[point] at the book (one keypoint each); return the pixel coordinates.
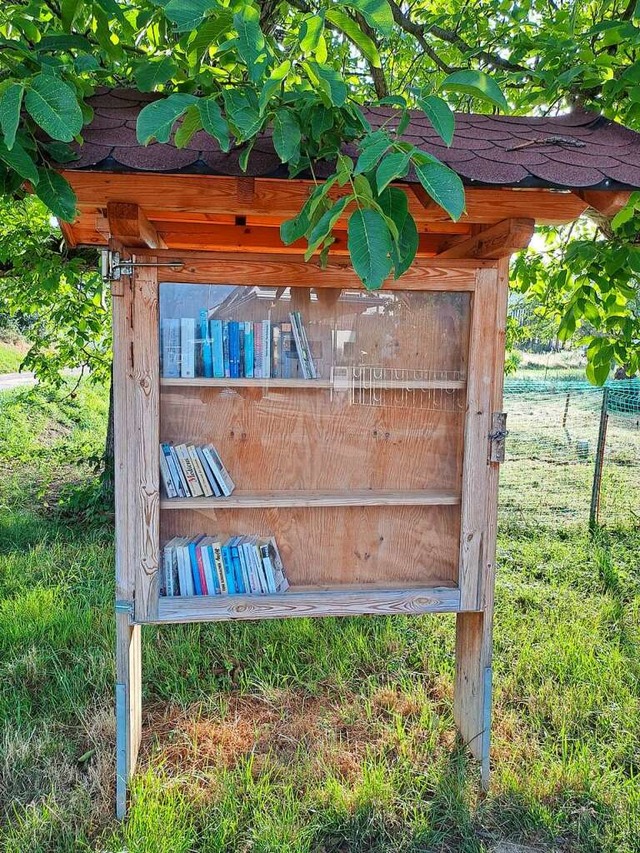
(184, 567)
(187, 347)
(221, 576)
(205, 344)
(222, 475)
(266, 349)
(204, 586)
(225, 349)
(165, 476)
(184, 458)
(170, 586)
(239, 567)
(170, 348)
(213, 482)
(234, 349)
(199, 471)
(195, 568)
(257, 351)
(177, 473)
(276, 364)
(229, 569)
(267, 565)
(248, 350)
(217, 351)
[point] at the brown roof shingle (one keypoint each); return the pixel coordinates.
(580, 149)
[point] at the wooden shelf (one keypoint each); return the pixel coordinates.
(312, 384)
(302, 498)
(310, 601)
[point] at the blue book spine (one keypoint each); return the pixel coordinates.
(234, 349)
(215, 331)
(241, 350)
(237, 566)
(227, 562)
(194, 567)
(207, 355)
(225, 349)
(248, 350)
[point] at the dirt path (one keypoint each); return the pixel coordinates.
(15, 380)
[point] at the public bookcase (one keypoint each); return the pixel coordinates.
(378, 476)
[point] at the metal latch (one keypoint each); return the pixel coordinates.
(112, 267)
(497, 436)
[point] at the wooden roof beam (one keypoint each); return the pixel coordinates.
(129, 225)
(606, 202)
(497, 241)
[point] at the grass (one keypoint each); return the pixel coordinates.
(11, 355)
(329, 735)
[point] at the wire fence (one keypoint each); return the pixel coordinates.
(553, 452)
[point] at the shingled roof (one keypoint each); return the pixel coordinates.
(580, 149)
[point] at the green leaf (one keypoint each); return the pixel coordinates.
(273, 83)
(251, 43)
(440, 115)
(243, 112)
(191, 123)
(393, 166)
(154, 72)
(324, 226)
(53, 105)
(370, 247)
(68, 11)
(377, 13)
(295, 228)
(394, 204)
(188, 14)
(10, 104)
(353, 32)
(443, 185)
(330, 82)
(210, 31)
(214, 122)
(57, 43)
(243, 159)
(310, 32)
(597, 374)
(477, 84)
(371, 153)
(286, 136)
(156, 120)
(57, 194)
(18, 160)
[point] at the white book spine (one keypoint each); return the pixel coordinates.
(165, 476)
(216, 550)
(187, 468)
(171, 348)
(224, 478)
(266, 349)
(200, 474)
(187, 347)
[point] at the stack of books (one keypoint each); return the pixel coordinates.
(205, 565)
(236, 349)
(189, 471)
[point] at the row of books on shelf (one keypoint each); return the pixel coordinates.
(190, 471)
(205, 565)
(236, 349)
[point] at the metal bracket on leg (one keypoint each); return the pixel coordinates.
(122, 751)
(486, 728)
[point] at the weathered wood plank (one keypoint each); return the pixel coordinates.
(288, 270)
(473, 547)
(496, 241)
(329, 602)
(307, 498)
(308, 384)
(284, 198)
(128, 224)
(144, 434)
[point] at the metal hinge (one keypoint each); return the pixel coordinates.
(112, 267)
(124, 606)
(497, 436)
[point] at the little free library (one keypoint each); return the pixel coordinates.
(287, 442)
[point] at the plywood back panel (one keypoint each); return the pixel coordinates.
(388, 546)
(318, 439)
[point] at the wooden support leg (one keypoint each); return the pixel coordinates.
(472, 698)
(128, 703)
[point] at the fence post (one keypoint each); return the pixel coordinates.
(597, 471)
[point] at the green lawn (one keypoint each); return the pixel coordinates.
(10, 357)
(305, 735)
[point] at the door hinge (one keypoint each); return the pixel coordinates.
(497, 436)
(113, 267)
